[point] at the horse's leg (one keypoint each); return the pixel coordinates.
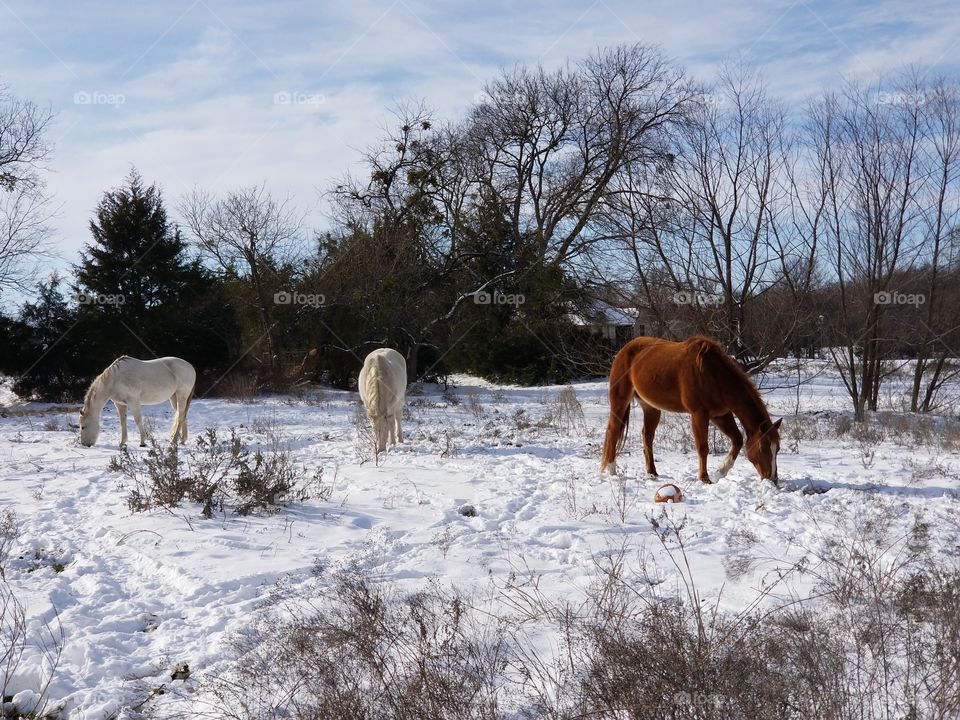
(175, 425)
(390, 423)
(699, 423)
(399, 432)
(651, 418)
(122, 414)
(135, 409)
(728, 426)
(182, 415)
(384, 431)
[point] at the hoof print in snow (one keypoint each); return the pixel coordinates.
(150, 623)
(467, 510)
(180, 671)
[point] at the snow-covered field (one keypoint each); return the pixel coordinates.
(136, 593)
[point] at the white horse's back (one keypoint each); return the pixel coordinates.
(148, 382)
(383, 385)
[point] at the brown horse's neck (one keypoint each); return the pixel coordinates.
(744, 400)
(751, 415)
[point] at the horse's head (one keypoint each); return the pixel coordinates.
(89, 428)
(762, 448)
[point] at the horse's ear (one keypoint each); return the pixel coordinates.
(775, 426)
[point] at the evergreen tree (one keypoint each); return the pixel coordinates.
(46, 353)
(141, 294)
(137, 264)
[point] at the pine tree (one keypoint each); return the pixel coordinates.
(141, 293)
(47, 353)
(137, 262)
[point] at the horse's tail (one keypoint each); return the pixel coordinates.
(371, 387)
(373, 398)
(621, 395)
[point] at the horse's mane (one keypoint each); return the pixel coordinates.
(101, 379)
(710, 346)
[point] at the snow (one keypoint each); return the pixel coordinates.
(137, 593)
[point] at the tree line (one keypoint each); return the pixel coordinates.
(489, 243)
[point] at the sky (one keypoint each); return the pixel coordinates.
(227, 94)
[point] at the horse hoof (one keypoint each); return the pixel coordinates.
(143, 444)
(706, 481)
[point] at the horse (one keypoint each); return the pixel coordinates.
(131, 383)
(693, 376)
(382, 385)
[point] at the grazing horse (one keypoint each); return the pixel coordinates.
(383, 385)
(697, 377)
(131, 383)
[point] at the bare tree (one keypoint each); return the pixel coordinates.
(546, 145)
(935, 337)
(865, 155)
(24, 234)
(708, 239)
(250, 234)
(24, 205)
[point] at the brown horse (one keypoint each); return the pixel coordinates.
(697, 377)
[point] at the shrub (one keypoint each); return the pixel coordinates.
(9, 534)
(359, 650)
(565, 412)
(219, 471)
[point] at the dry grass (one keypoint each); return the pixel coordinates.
(360, 650)
(238, 387)
(875, 639)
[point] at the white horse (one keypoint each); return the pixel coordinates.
(383, 386)
(131, 383)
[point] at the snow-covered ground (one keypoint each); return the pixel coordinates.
(136, 593)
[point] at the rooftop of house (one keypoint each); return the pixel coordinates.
(603, 313)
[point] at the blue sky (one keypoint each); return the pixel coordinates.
(192, 92)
